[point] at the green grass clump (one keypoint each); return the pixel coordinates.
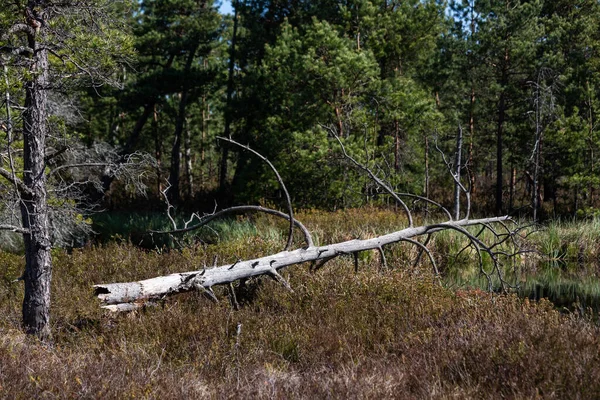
(137, 228)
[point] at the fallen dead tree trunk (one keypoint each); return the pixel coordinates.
(132, 295)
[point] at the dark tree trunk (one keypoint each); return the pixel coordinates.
(34, 207)
(228, 117)
(500, 135)
(174, 191)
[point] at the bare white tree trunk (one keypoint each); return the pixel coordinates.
(131, 295)
(457, 171)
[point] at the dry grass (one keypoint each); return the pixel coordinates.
(375, 334)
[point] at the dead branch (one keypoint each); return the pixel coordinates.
(132, 295)
(241, 209)
(13, 228)
(285, 191)
(377, 180)
(120, 296)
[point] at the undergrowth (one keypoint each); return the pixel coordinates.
(375, 334)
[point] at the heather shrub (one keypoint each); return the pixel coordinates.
(378, 333)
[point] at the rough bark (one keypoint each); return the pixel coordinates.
(34, 207)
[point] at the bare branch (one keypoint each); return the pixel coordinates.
(14, 228)
(55, 153)
(9, 176)
(435, 203)
(425, 243)
(382, 256)
(426, 250)
(376, 179)
(233, 298)
(287, 195)
(239, 209)
(275, 275)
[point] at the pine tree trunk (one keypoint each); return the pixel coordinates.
(174, 191)
(225, 149)
(34, 207)
(500, 135)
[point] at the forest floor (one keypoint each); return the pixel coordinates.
(377, 333)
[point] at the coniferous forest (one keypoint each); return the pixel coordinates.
(399, 82)
(467, 127)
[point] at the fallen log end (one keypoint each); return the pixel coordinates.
(123, 307)
(116, 293)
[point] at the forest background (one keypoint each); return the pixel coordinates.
(397, 81)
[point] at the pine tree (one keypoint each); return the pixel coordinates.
(57, 47)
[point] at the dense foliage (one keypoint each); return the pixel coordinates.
(395, 81)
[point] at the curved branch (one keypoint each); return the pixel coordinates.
(14, 228)
(15, 181)
(479, 245)
(382, 257)
(435, 203)
(426, 250)
(379, 181)
(237, 209)
(425, 243)
(466, 233)
(287, 195)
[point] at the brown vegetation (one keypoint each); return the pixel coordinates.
(375, 334)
